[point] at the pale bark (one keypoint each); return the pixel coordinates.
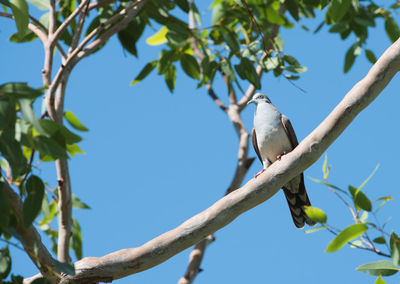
(133, 260)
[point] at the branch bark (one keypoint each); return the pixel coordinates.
(29, 237)
(133, 260)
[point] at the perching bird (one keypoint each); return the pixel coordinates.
(273, 136)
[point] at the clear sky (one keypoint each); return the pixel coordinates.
(154, 159)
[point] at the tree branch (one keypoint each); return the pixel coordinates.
(133, 260)
(29, 237)
(67, 21)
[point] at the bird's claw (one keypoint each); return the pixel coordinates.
(279, 157)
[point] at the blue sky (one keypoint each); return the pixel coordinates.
(154, 159)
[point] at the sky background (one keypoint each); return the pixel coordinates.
(154, 159)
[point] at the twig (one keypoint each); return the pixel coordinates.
(28, 171)
(78, 30)
(67, 21)
(100, 3)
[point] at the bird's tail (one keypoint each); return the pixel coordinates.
(296, 202)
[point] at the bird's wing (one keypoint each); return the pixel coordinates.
(255, 145)
(298, 200)
(289, 131)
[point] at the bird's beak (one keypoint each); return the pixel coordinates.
(251, 102)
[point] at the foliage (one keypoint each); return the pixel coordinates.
(359, 235)
(242, 36)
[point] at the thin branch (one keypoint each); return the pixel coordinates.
(79, 27)
(67, 21)
(100, 3)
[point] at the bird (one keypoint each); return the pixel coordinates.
(273, 136)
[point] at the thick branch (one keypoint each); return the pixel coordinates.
(29, 237)
(133, 260)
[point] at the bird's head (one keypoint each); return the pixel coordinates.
(259, 98)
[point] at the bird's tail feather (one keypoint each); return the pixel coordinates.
(296, 202)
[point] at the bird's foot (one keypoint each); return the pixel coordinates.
(279, 157)
(263, 170)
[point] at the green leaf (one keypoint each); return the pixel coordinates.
(59, 132)
(328, 185)
(296, 69)
(246, 71)
(325, 167)
(74, 149)
(350, 57)
(40, 4)
(293, 7)
(392, 29)
(338, 9)
(360, 200)
(345, 236)
(21, 15)
(170, 77)
(8, 114)
(395, 247)
(19, 90)
(49, 147)
(368, 178)
(4, 209)
(77, 203)
(145, 71)
(315, 214)
(5, 262)
(315, 229)
(12, 151)
(42, 280)
(380, 240)
(370, 56)
(356, 244)
(190, 66)
(382, 267)
(379, 280)
(274, 17)
(33, 202)
(29, 114)
(76, 240)
(159, 37)
(29, 36)
(218, 12)
(74, 121)
(364, 217)
(270, 63)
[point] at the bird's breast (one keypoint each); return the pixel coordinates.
(272, 139)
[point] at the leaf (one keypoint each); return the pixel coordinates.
(392, 29)
(74, 121)
(379, 280)
(360, 200)
(382, 267)
(338, 9)
(218, 12)
(21, 15)
(42, 280)
(315, 229)
(5, 262)
(368, 178)
(350, 57)
(4, 209)
(274, 17)
(170, 77)
(78, 204)
(40, 4)
(19, 90)
(395, 248)
(328, 185)
(296, 69)
(145, 71)
(49, 147)
(356, 244)
(370, 56)
(74, 149)
(380, 240)
(159, 37)
(76, 240)
(364, 217)
(11, 150)
(293, 7)
(29, 114)
(315, 214)
(190, 66)
(324, 166)
(33, 202)
(345, 236)
(246, 71)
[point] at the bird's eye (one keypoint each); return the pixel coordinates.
(261, 97)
